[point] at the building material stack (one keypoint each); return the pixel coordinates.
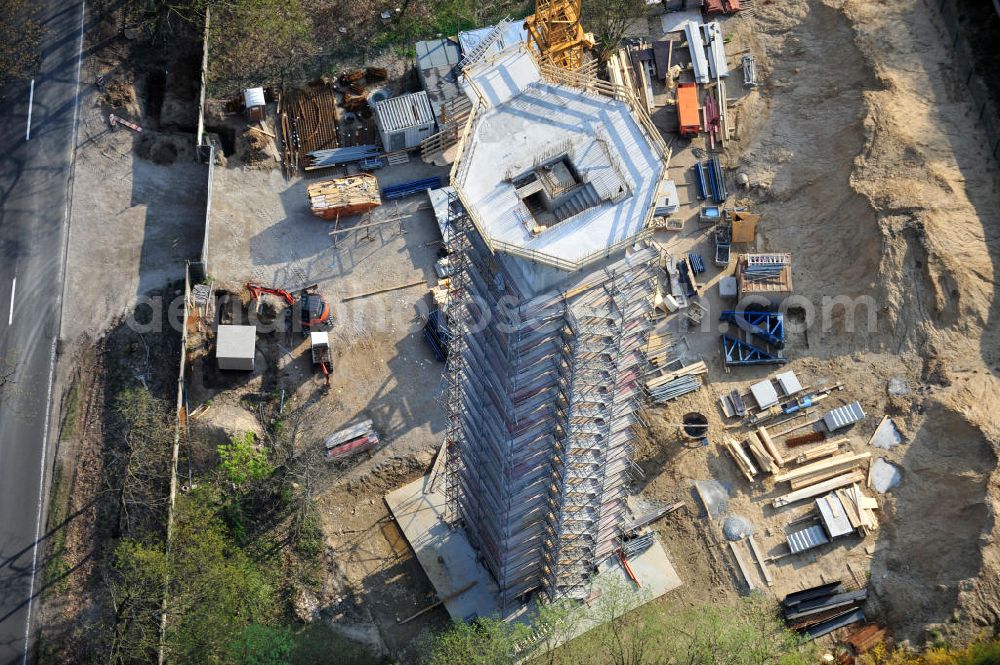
(351, 195)
(767, 277)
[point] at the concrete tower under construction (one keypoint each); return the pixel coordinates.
(556, 178)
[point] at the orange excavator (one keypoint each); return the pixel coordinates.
(314, 310)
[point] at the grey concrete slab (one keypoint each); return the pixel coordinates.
(450, 562)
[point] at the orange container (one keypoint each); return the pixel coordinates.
(688, 120)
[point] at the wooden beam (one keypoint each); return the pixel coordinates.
(742, 566)
(818, 452)
(797, 427)
(763, 459)
(816, 490)
(741, 459)
(760, 561)
(765, 438)
(822, 465)
(385, 290)
(820, 476)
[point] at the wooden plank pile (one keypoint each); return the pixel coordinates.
(756, 455)
(351, 440)
(866, 638)
(669, 385)
(821, 477)
(349, 195)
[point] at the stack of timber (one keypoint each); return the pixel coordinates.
(743, 461)
(811, 474)
(823, 476)
(764, 460)
(858, 508)
(763, 456)
(820, 610)
(660, 349)
(350, 195)
(866, 638)
(668, 376)
(825, 449)
(818, 489)
(351, 440)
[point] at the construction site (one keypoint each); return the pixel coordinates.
(710, 316)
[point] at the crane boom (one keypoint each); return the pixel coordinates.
(556, 32)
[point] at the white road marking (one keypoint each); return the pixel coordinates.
(13, 287)
(60, 279)
(31, 101)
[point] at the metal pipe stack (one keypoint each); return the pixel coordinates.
(320, 159)
(637, 546)
(682, 385)
(762, 267)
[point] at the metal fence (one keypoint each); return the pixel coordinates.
(984, 110)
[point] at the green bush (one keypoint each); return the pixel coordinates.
(243, 460)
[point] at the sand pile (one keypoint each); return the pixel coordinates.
(865, 158)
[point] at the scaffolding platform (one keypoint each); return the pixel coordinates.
(450, 562)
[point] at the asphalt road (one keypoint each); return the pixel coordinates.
(35, 190)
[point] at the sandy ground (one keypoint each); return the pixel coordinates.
(262, 231)
(866, 166)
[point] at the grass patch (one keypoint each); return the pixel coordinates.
(316, 643)
(56, 568)
(72, 411)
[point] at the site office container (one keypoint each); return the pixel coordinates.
(688, 121)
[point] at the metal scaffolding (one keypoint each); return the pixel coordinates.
(542, 392)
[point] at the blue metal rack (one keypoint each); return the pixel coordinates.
(699, 181)
(408, 188)
(737, 352)
(768, 326)
(697, 263)
(718, 180)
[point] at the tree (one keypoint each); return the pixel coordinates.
(139, 471)
(628, 636)
(243, 460)
(485, 641)
(216, 589)
(260, 645)
(749, 633)
(134, 584)
(556, 622)
(609, 20)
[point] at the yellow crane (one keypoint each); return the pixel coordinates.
(557, 34)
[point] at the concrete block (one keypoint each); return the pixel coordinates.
(235, 347)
